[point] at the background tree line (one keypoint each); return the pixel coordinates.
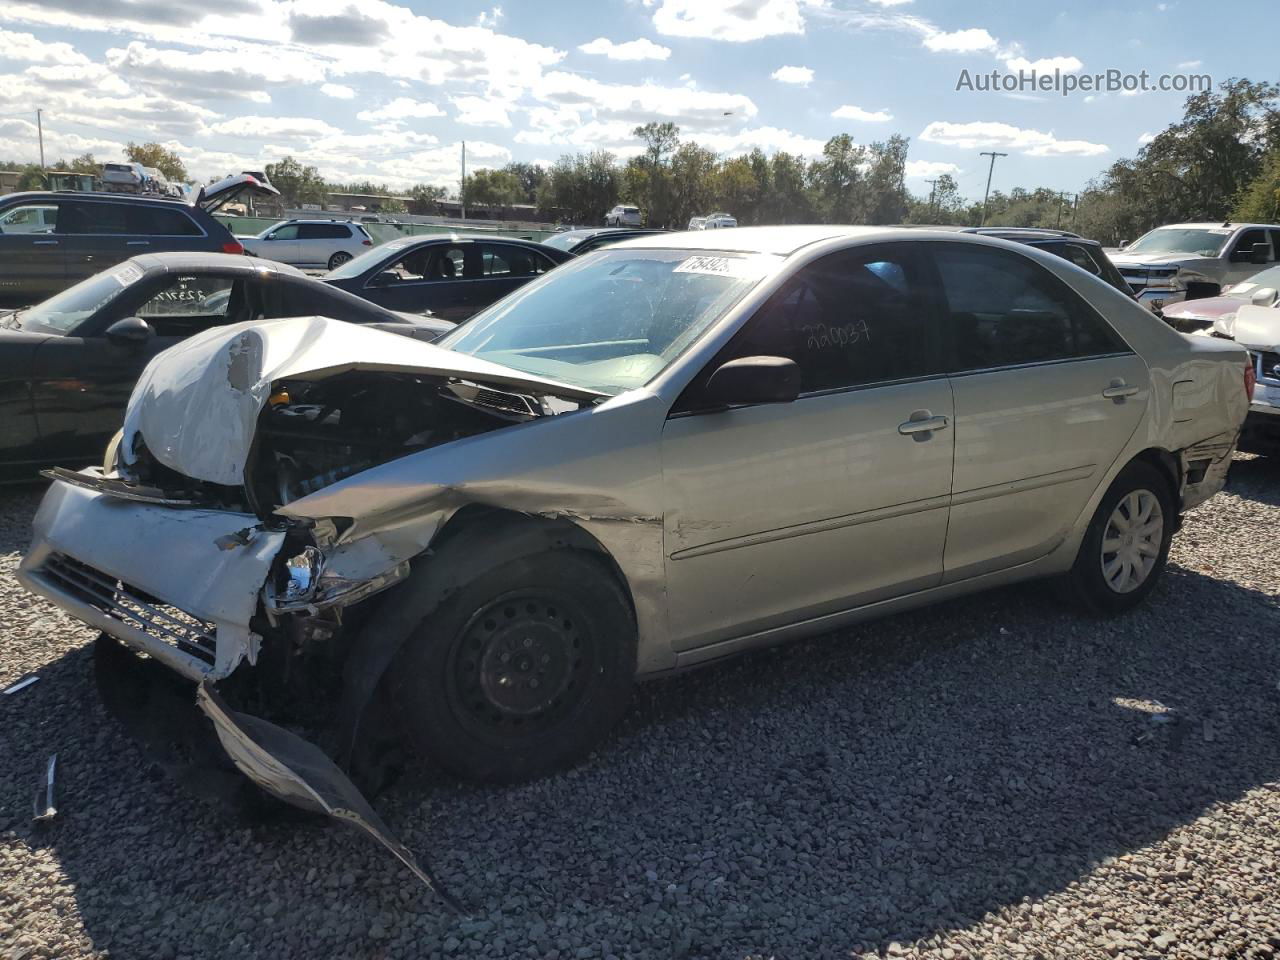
(1220, 160)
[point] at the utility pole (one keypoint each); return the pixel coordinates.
(40, 134)
(1062, 198)
(932, 189)
(990, 170)
(462, 192)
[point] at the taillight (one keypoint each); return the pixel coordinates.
(233, 246)
(1250, 380)
(367, 243)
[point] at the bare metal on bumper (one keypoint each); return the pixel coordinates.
(154, 577)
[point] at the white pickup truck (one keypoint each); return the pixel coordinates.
(1187, 261)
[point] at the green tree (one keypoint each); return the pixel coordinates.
(736, 190)
(885, 182)
(423, 197)
(836, 180)
(788, 200)
(580, 188)
(486, 188)
(689, 186)
(297, 184)
(1259, 201)
(531, 177)
(154, 155)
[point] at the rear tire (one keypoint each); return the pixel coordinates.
(520, 672)
(1126, 547)
(338, 259)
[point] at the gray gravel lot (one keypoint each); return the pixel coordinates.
(980, 779)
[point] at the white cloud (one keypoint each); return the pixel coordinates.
(215, 74)
(800, 76)
(1189, 64)
(767, 139)
(642, 49)
(568, 94)
(1045, 64)
(850, 112)
(338, 91)
(735, 22)
(992, 135)
(973, 40)
(1146, 137)
(88, 77)
(890, 3)
(489, 18)
(401, 109)
(929, 169)
(481, 112)
(289, 128)
(26, 48)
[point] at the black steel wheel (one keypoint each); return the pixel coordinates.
(521, 671)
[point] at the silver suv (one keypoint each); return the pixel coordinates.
(309, 243)
(623, 215)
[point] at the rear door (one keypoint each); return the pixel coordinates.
(1046, 396)
(317, 242)
(32, 256)
(504, 267)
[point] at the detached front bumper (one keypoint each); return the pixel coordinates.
(180, 585)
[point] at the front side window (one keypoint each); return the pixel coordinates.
(1003, 309)
(614, 321)
(29, 218)
(95, 219)
(188, 297)
(288, 232)
(849, 319)
(1243, 249)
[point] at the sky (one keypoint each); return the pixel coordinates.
(387, 91)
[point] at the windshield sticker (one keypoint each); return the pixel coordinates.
(1221, 231)
(128, 274)
(735, 267)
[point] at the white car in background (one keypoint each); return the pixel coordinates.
(714, 221)
(309, 243)
(624, 215)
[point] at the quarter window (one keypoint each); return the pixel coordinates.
(849, 319)
(324, 231)
(1003, 310)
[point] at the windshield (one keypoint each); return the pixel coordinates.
(1201, 242)
(564, 241)
(64, 312)
(1245, 288)
(358, 265)
(612, 321)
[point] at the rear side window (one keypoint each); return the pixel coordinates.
(500, 260)
(1003, 310)
(157, 221)
(323, 231)
(848, 319)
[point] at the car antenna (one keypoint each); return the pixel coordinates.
(1226, 223)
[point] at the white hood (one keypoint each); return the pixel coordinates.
(197, 403)
(1151, 259)
(1257, 328)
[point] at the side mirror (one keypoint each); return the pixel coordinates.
(1263, 297)
(753, 380)
(384, 279)
(1261, 253)
(1123, 244)
(130, 332)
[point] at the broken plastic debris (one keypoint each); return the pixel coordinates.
(43, 810)
(22, 684)
(301, 774)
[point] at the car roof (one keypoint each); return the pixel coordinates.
(1216, 225)
(782, 241)
(38, 196)
(320, 220)
(233, 263)
(460, 238)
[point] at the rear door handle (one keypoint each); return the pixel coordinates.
(1119, 390)
(46, 243)
(138, 243)
(922, 422)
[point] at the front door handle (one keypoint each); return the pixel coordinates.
(921, 423)
(138, 243)
(1119, 390)
(46, 243)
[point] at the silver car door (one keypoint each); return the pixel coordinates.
(782, 512)
(1047, 394)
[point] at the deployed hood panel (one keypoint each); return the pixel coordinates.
(1258, 328)
(196, 404)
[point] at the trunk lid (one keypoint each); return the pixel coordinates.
(215, 196)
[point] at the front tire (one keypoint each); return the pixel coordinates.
(522, 671)
(1126, 547)
(338, 259)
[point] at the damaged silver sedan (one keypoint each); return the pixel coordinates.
(664, 453)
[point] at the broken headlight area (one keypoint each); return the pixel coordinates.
(301, 580)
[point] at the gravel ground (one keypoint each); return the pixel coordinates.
(992, 777)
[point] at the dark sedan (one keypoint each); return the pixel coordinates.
(451, 275)
(68, 365)
(583, 241)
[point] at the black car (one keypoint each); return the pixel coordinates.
(1084, 253)
(50, 240)
(451, 275)
(583, 241)
(68, 365)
